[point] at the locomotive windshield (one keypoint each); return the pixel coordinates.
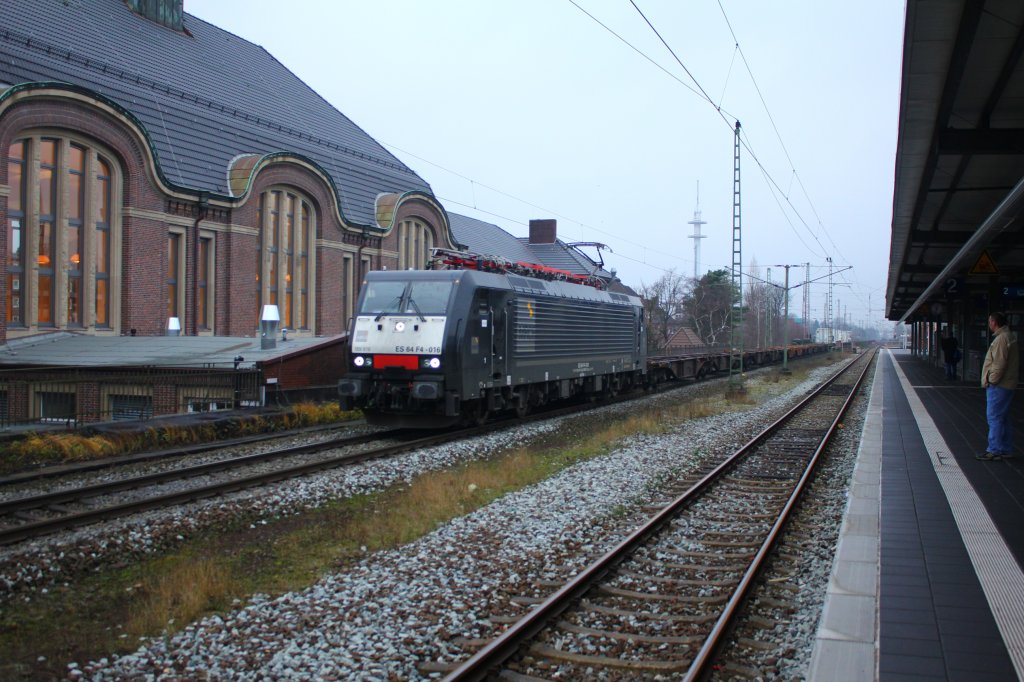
(413, 298)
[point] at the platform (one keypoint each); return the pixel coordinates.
(927, 582)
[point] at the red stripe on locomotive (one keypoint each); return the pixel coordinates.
(403, 361)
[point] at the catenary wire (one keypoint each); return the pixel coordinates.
(745, 135)
(701, 93)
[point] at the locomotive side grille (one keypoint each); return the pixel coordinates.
(565, 328)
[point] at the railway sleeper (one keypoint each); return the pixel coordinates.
(758, 484)
(628, 636)
(741, 556)
(722, 534)
(755, 543)
(607, 662)
(646, 615)
(631, 575)
(771, 603)
(697, 568)
(513, 676)
(503, 620)
(427, 668)
(742, 671)
(471, 644)
(725, 515)
(655, 596)
(755, 644)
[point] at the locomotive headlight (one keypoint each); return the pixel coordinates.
(399, 326)
(434, 363)
(359, 361)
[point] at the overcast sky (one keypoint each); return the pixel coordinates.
(532, 109)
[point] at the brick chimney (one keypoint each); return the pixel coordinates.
(166, 12)
(543, 231)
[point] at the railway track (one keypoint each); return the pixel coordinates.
(26, 518)
(664, 599)
(75, 468)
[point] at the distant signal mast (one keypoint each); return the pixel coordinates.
(697, 236)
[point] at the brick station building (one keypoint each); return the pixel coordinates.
(153, 166)
(157, 171)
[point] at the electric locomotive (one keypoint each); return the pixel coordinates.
(431, 348)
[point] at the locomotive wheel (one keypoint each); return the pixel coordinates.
(521, 402)
(480, 413)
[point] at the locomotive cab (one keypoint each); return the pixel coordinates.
(398, 348)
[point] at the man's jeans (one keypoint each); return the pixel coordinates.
(951, 370)
(1000, 429)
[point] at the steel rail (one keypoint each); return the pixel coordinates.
(38, 528)
(42, 527)
(14, 505)
(701, 664)
(58, 470)
(505, 646)
(34, 529)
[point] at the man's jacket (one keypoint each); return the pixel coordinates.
(1002, 361)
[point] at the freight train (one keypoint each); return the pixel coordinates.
(432, 348)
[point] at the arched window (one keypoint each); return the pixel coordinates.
(287, 240)
(415, 240)
(61, 234)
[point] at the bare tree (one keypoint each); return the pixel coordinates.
(664, 307)
(764, 302)
(708, 304)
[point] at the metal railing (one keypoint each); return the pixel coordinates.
(72, 396)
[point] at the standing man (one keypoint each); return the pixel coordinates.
(949, 353)
(999, 378)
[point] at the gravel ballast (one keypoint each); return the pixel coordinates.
(397, 613)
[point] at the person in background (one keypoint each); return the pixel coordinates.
(999, 377)
(950, 353)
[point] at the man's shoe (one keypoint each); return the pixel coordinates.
(989, 457)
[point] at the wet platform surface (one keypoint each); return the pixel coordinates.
(928, 581)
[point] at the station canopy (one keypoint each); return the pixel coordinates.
(958, 203)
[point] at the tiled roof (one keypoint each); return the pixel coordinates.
(490, 240)
(204, 96)
(487, 239)
(564, 257)
(684, 337)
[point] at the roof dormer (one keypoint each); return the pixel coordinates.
(165, 12)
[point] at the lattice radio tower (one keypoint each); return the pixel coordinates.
(697, 236)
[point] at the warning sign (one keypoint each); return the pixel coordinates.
(984, 265)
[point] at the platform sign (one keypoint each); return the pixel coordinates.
(1013, 292)
(984, 265)
(953, 286)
